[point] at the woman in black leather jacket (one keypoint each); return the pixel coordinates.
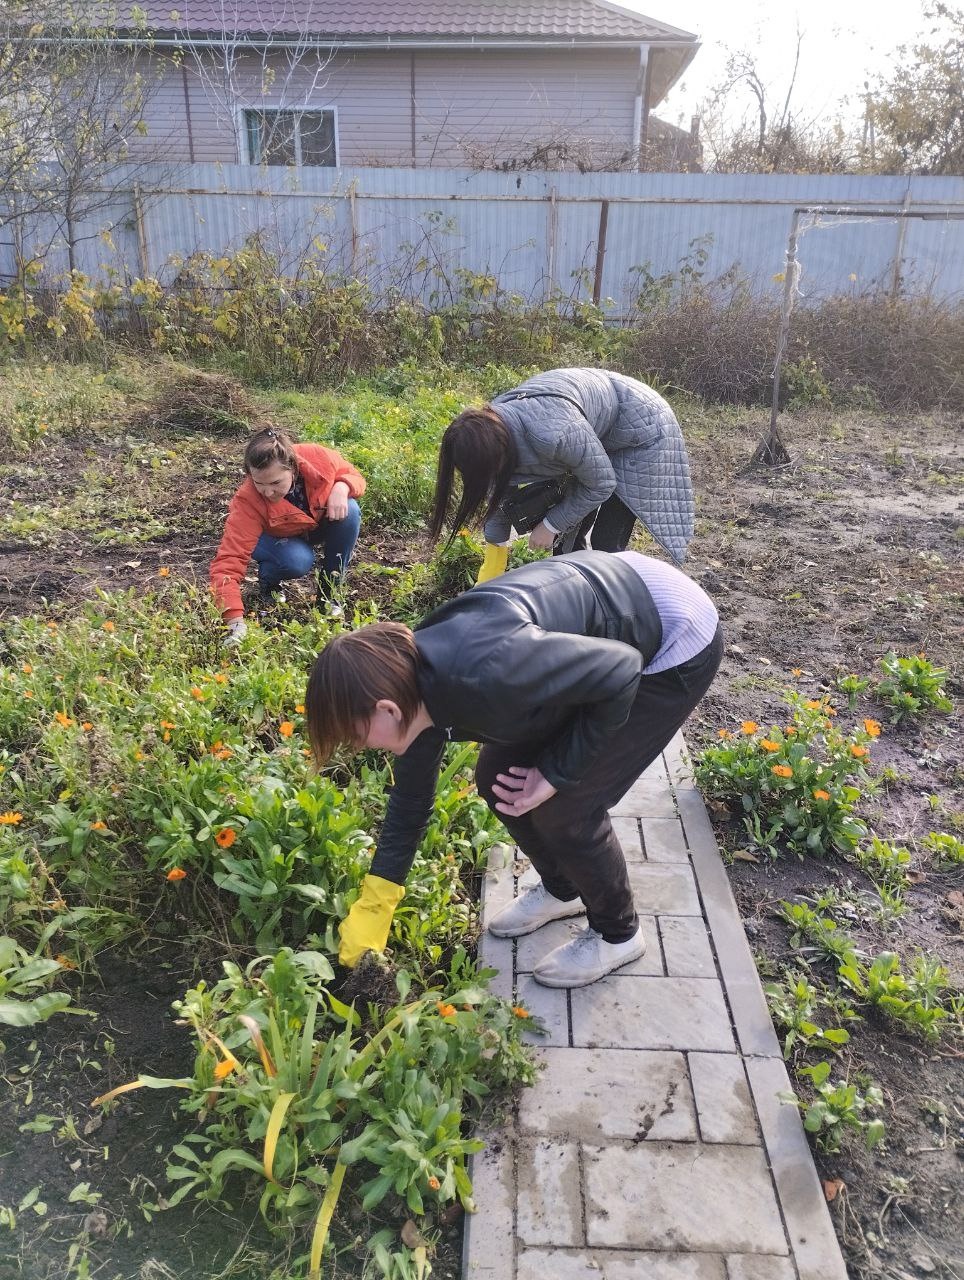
(574, 673)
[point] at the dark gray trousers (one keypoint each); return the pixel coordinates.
(569, 839)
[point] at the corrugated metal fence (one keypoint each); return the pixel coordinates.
(589, 236)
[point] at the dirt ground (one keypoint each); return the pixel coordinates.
(822, 567)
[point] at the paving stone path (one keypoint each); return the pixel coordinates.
(654, 1145)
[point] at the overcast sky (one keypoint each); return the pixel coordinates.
(843, 41)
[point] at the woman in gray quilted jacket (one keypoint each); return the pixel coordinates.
(569, 450)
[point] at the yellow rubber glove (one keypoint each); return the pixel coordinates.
(366, 926)
(494, 563)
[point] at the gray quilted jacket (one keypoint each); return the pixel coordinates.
(610, 434)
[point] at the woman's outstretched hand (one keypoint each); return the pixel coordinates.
(541, 538)
(520, 790)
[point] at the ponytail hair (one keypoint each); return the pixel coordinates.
(477, 445)
(267, 446)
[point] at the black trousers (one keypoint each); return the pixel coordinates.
(611, 525)
(569, 839)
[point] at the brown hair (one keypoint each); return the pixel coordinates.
(353, 672)
(478, 445)
(267, 446)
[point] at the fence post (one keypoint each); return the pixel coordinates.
(143, 256)
(352, 213)
(551, 238)
(899, 251)
(600, 251)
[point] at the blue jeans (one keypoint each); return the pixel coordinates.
(282, 558)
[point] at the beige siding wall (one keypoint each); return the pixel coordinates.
(470, 108)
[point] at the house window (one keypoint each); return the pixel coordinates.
(279, 136)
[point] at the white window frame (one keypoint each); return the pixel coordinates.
(241, 125)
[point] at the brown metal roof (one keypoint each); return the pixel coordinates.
(499, 21)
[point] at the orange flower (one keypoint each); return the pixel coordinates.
(139, 755)
(872, 727)
(769, 745)
(223, 753)
(164, 573)
(109, 626)
(225, 838)
(52, 626)
(446, 1010)
(812, 704)
(65, 962)
(225, 1067)
(782, 771)
(63, 719)
(724, 734)
(28, 693)
(220, 678)
(820, 794)
(168, 724)
(286, 728)
(796, 671)
(166, 736)
(87, 726)
(27, 669)
(176, 873)
(749, 726)
(10, 819)
(98, 826)
(858, 752)
(300, 708)
(434, 1183)
(197, 693)
(519, 1012)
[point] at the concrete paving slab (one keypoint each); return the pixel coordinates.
(744, 1266)
(682, 1197)
(651, 1013)
(586, 1094)
(664, 889)
(627, 833)
(550, 1193)
(607, 1264)
(549, 1005)
(686, 947)
(488, 1245)
(723, 1099)
(663, 840)
(647, 798)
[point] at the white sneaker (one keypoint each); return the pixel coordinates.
(530, 911)
(587, 958)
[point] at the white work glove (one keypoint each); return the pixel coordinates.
(237, 630)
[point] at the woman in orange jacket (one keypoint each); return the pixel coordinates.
(296, 497)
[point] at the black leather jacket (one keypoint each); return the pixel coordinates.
(549, 654)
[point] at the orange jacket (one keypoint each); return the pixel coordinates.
(250, 515)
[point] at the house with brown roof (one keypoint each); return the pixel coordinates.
(513, 84)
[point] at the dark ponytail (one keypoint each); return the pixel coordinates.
(477, 445)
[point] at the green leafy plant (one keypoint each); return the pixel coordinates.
(297, 1094)
(852, 686)
(947, 850)
(914, 1000)
(837, 1107)
(911, 686)
(795, 782)
(794, 1004)
(24, 1001)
